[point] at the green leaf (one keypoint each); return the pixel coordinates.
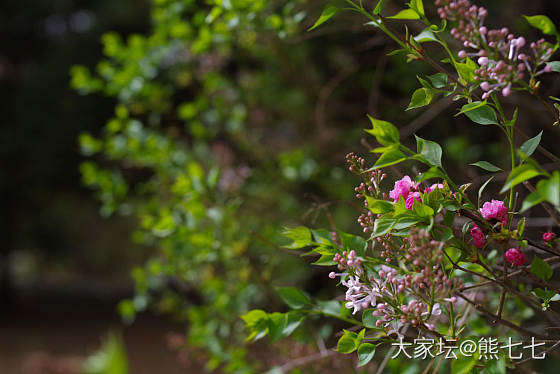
(431, 151)
(438, 80)
(325, 260)
(293, 320)
(495, 366)
(347, 342)
(379, 206)
(391, 157)
(293, 297)
(519, 175)
(531, 200)
(480, 112)
(421, 97)
(382, 226)
(542, 23)
(487, 166)
(426, 35)
(406, 14)
(530, 145)
(422, 210)
(378, 7)
(256, 322)
(464, 364)
(418, 6)
(301, 237)
(368, 319)
(353, 242)
(366, 351)
(555, 66)
(328, 13)
(385, 132)
(541, 269)
(549, 189)
(466, 70)
(276, 325)
(330, 307)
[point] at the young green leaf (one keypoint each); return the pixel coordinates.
(366, 351)
(520, 174)
(421, 97)
(378, 7)
(541, 269)
(438, 80)
(426, 36)
(301, 237)
(406, 14)
(379, 206)
(531, 200)
(328, 13)
(486, 166)
(482, 188)
(480, 112)
(542, 23)
(392, 157)
(430, 150)
(293, 297)
(530, 145)
(385, 132)
(382, 226)
(418, 6)
(347, 342)
(549, 189)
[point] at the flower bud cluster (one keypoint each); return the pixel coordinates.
(423, 286)
(500, 54)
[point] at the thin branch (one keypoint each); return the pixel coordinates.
(500, 320)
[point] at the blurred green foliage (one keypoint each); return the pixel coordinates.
(110, 359)
(192, 155)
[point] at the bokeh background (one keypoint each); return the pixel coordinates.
(65, 263)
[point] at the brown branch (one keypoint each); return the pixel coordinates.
(500, 320)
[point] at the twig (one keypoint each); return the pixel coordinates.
(500, 320)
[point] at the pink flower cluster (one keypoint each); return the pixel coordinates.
(515, 257)
(495, 209)
(410, 191)
(498, 52)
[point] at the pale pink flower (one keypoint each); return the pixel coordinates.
(434, 186)
(548, 236)
(479, 239)
(402, 188)
(515, 257)
(494, 209)
(415, 196)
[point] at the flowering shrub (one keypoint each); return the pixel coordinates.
(435, 259)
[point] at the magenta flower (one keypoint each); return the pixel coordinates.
(515, 257)
(548, 236)
(402, 188)
(479, 239)
(415, 196)
(494, 209)
(434, 186)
